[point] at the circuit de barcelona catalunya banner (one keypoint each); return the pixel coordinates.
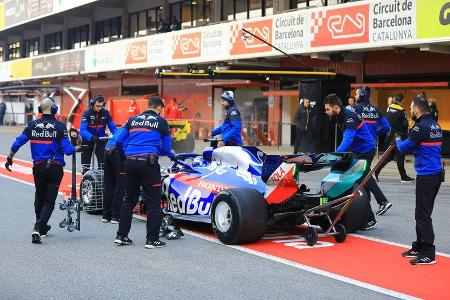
(361, 25)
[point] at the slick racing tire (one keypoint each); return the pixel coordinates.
(90, 192)
(239, 216)
(357, 214)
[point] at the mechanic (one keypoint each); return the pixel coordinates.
(92, 128)
(148, 137)
(425, 142)
(232, 125)
(434, 113)
(378, 126)
(113, 182)
(396, 116)
(49, 142)
(356, 138)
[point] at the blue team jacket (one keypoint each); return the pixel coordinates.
(425, 142)
(357, 137)
(373, 118)
(48, 140)
(147, 133)
(231, 127)
(93, 123)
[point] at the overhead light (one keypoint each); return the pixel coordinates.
(193, 2)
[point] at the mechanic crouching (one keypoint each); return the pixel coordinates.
(425, 142)
(232, 125)
(49, 142)
(92, 128)
(114, 182)
(147, 137)
(358, 139)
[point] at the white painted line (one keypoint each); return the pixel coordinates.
(24, 182)
(26, 161)
(307, 268)
(391, 243)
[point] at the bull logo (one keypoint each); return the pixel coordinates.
(444, 15)
(48, 126)
(152, 118)
(141, 117)
(40, 125)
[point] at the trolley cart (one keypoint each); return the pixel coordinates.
(341, 205)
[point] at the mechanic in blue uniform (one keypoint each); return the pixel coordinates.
(357, 138)
(232, 125)
(378, 126)
(113, 182)
(92, 128)
(148, 137)
(425, 142)
(48, 142)
(396, 115)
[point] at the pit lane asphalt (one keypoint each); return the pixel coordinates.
(86, 264)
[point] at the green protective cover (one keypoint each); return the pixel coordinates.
(335, 184)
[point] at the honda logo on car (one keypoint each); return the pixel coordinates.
(136, 52)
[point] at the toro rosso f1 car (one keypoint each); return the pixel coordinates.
(241, 191)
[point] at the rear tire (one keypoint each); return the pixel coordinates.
(357, 214)
(90, 186)
(239, 216)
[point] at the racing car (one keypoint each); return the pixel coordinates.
(241, 191)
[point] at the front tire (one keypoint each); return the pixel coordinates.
(357, 214)
(239, 216)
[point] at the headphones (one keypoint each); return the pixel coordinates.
(97, 98)
(53, 109)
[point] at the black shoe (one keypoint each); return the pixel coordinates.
(123, 240)
(44, 233)
(411, 253)
(370, 225)
(423, 260)
(407, 179)
(36, 237)
(114, 221)
(154, 244)
(384, 208)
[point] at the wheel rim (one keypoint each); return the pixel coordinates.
(223, 217)
(87, 191)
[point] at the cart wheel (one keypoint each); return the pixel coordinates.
(71, 227)
(311, 236)
(341, 233)
(62, 224)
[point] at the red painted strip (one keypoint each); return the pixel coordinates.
(41, 142)
(400, 84)
(431, 144)
(96, 126)
(140, 129)
(368, 121)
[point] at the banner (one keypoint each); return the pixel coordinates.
(290, 31)
(187, 45)
(340, 26)
(21, 68)
(105, 57)
(136, 52)
(64, 63)
(244, 43)
(433, 18)
(392, 21)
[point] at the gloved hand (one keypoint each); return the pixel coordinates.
(95, 139)
(173, 158)
(8, 163)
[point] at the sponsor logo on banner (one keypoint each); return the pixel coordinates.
(215, 42)
(290, 31)
(393, 21)
(243, 43)
(37, 8)
(433, 18)
(21, 68)
(136, 52)
(69, 62)
(341, 26)
(187, 45)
